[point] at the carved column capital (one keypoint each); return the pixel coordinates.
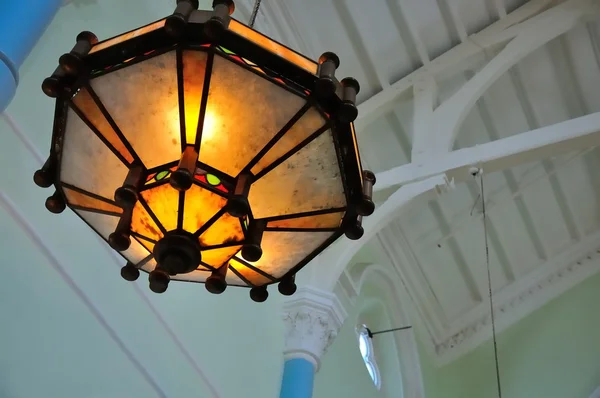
(312, 319)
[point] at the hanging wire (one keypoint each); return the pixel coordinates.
(489, 276)
(254, 13)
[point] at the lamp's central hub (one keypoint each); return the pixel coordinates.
(177, 253)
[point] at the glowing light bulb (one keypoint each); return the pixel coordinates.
(210, 126)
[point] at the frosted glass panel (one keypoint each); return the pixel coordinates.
(105, 225)
(274, 47)
(331, 220)
(164, 203)
(217, 257)
(142, 223)
(129, 35)
(143, 101)
(244, 111)
(87, 163)
(226, 229)
(194, 68)
(283, 250)
(199, 207)
(76, 198)
(252, 276)
(308, 181)
(85, 103)
(200, 276)
(309, 123)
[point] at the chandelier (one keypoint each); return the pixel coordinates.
(204, 151)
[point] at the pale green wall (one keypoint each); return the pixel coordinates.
(553, 353)
(50, 343)
(343, 372)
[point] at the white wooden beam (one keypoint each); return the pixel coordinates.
(536, 32)
(571, 135)
(338, 256)
(424, 137)
(497, 33)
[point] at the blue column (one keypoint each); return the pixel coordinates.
(22, 22)
(298, 378)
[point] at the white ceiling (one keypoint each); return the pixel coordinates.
(543, 216)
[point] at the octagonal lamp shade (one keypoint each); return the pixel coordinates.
(203, 157)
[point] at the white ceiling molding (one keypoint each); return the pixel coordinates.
(538, 144)
(456, 338)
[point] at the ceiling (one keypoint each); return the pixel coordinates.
(543, 217)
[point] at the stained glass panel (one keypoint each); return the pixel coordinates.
(87, 163)
(283, 250)
(126, 36)
(244, 111)
(143, 224)
(105, 225)
(330, 220)
(163, 200)
(143, 101)
(252, 276)
(76, 198)
(310, 180)
(199, 207)
(194, 68)
(310, 122)
(226, 229)
(274, 47)
(85, 103)
(217, 257)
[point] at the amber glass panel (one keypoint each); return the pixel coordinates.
(217, 257)
(126, 36)
(284, 250)
(276, 48)
(200, 276)
(252, 276)
(143, 101)
(226, 229)
(244, 111)
(200, 206)
(143, 224)
(331, 220)
(105, 225)
(87, 163)
(163, 200)
(309, 123)
(194, 68)
(85, 103)
(309, 180)
(75, 198)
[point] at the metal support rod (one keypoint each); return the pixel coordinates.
(371, 334)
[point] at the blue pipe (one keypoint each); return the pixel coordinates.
(298, 379)
(22, 23)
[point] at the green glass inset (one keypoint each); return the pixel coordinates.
(213, 180)
(162, 175)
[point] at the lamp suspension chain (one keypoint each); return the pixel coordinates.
(254, 13)
(489, 277)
